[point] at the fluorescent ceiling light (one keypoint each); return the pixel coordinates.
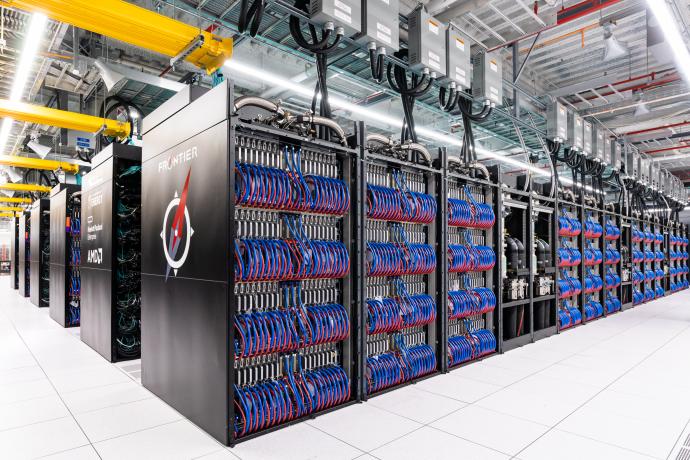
(32, 41)
(664, 16)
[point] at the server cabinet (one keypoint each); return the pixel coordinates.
(14, 253)
(65, 224)
(39, 260)
(24, 253)
(110, 302)
(199, 286)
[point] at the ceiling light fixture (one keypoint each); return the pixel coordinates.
(32, 41)
(664, 16)
(613, 49)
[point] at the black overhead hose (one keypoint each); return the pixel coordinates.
(409, 90)
(250, 16)
(377, 64)
(468, 152)
(447, 104)
(321, 49)
(553, 149)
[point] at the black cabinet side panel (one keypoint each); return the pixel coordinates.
(185, 321)
(14, 253)
(23, 262)
(58, 235)
(96, 299)
(35, 251)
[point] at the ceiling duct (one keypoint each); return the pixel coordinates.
(116, 76)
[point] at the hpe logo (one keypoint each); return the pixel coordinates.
(95, 256)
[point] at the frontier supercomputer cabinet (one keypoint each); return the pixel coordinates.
(110, 253)
(199, 248)
(24, 252)
(14, 253)
(65, 220)
(39, 260)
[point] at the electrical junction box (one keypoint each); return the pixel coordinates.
(655, 174)
(380, 24)
(587, 138)
(665, 181)
(557, 122)
(344, 13)
(487, 82)
(597, 144)
(616, 154)
(458, 57)
(576, 131)
(426, 42)
(608, 149)
(643, 169)
(632, 163)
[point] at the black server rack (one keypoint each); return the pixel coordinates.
(39, 260)
(65, 281)
(208, 277)
(571, 272)
(471, 269)
(110, 302)
(615, 256)
(24, 257)
(545, 233)
(637, 255)
(517, 258)
(595, 261)
(626, 262)
(14, 253)
(404, 305)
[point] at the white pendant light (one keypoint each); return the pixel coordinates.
(613, 49)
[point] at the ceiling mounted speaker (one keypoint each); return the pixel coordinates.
(613, 49)
(40, 149)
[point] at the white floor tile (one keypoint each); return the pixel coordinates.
(87, 377)
(222, 454)
(544, 410)
(567, 446)
(175, 441)
(420, 406)
(21, 374)
(295, 443)
(430, 444)
(80, 453)
(364, 426)
(81, 401)
(22, 391)
(31, 411)
(41, 439)
(126, 418)
(490, 374)
(460, 388)
(489, 428)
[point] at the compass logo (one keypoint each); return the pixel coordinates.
(178, 232)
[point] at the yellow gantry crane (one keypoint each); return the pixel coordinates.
(11, 209)
(137, 26)
(6, 199)
(25, 187)
(10, 214)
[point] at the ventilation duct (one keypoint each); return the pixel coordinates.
(116, 76)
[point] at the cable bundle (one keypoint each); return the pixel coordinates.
(462, 348)
(271, 188)
(593, 283)
(648, 293)
(593, 229)
(569, 257)
(648, 236)
(393, 259)
(593, 309)
(569, 316)
(637, 276)
(385, 203)
(673, 255)
(649, 255)
(297, 394)
(659, 291)
(659, 256)
(593, 256)
(568, 286)
(649, 275)
(658, 238)
(470, 214)
(391, 368)
(475, 301)
(612, 231)
(637, 235)
(567, 226)
(638, 297)
(393, 314)
(613, 280)
(613, 304)
(637, 256)
(613, 256)
(659, 274)
(462, 258)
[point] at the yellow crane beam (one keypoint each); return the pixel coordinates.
(137, 26)
(10, 214)
(31, 113)
(11, 209)
(6, 199)
(36, 163)
(25, 187)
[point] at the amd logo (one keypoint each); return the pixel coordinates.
(95, 256)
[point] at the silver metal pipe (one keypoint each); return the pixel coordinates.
(260, 102)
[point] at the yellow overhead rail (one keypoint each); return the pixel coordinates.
(36, 163)
(63, 119)
(137, 26)
(11, 209)
(25, 187)
(6, 199)
(10, 214)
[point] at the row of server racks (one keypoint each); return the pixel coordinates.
(276, 276)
